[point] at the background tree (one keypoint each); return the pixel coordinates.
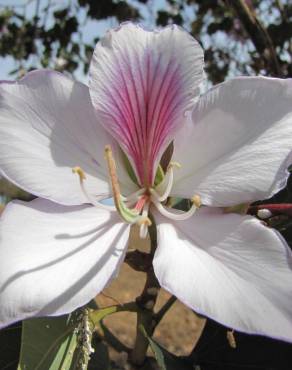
(239, 37)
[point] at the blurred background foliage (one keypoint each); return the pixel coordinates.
(240, 37)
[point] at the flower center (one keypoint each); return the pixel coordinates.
(134, 209)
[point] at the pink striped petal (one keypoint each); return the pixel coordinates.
(141, 83)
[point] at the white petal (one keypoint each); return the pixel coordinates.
(238, 145)
(230, 268)
(141, 83)
(54, 258)
(47, 126)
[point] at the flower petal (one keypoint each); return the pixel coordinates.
(54, 258)
(47, 126)
(230, 268)
(141, 83)
(238, 145)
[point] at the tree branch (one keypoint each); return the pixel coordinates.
(258, 34)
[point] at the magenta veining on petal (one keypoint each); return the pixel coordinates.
(140, 88)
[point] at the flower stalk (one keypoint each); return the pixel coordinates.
(146, 301)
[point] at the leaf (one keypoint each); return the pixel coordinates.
(47, 343)
(165, 359)
(97, 315)
(54, 343)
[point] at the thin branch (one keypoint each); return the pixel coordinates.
(160, 314)
(258, 34)
(275, 209)
(285, 19)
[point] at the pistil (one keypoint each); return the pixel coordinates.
(141, 200)
(129, 215)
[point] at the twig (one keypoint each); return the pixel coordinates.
(258, 34)
(160, 314)
(275, 209)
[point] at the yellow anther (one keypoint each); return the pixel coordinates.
(196, 200)
(79, 172)
(173, 164)
(144, 221)
(231, 338)
(108, 149)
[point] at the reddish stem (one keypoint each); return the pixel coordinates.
(276, 209)
(141, 202)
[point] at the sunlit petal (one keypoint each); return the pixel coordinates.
(141, 83)
(54, 258)
(47, 126)
(230, 268)
(238, 146)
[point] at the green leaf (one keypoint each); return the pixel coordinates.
(54, 343)
(165, 359)
(47, 343)
(97, 315)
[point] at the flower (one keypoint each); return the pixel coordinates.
(57, 252)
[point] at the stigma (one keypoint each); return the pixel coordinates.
(135, 208)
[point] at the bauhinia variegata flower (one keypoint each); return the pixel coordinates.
(231, 145)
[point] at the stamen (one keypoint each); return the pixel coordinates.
(80, 173)
(78, 170)
(144, 222)
(128, 215)
(174, 164)
(168, 179)
(143, 231)
(196, 200)
(231, 338)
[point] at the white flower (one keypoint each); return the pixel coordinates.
(58, 252)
